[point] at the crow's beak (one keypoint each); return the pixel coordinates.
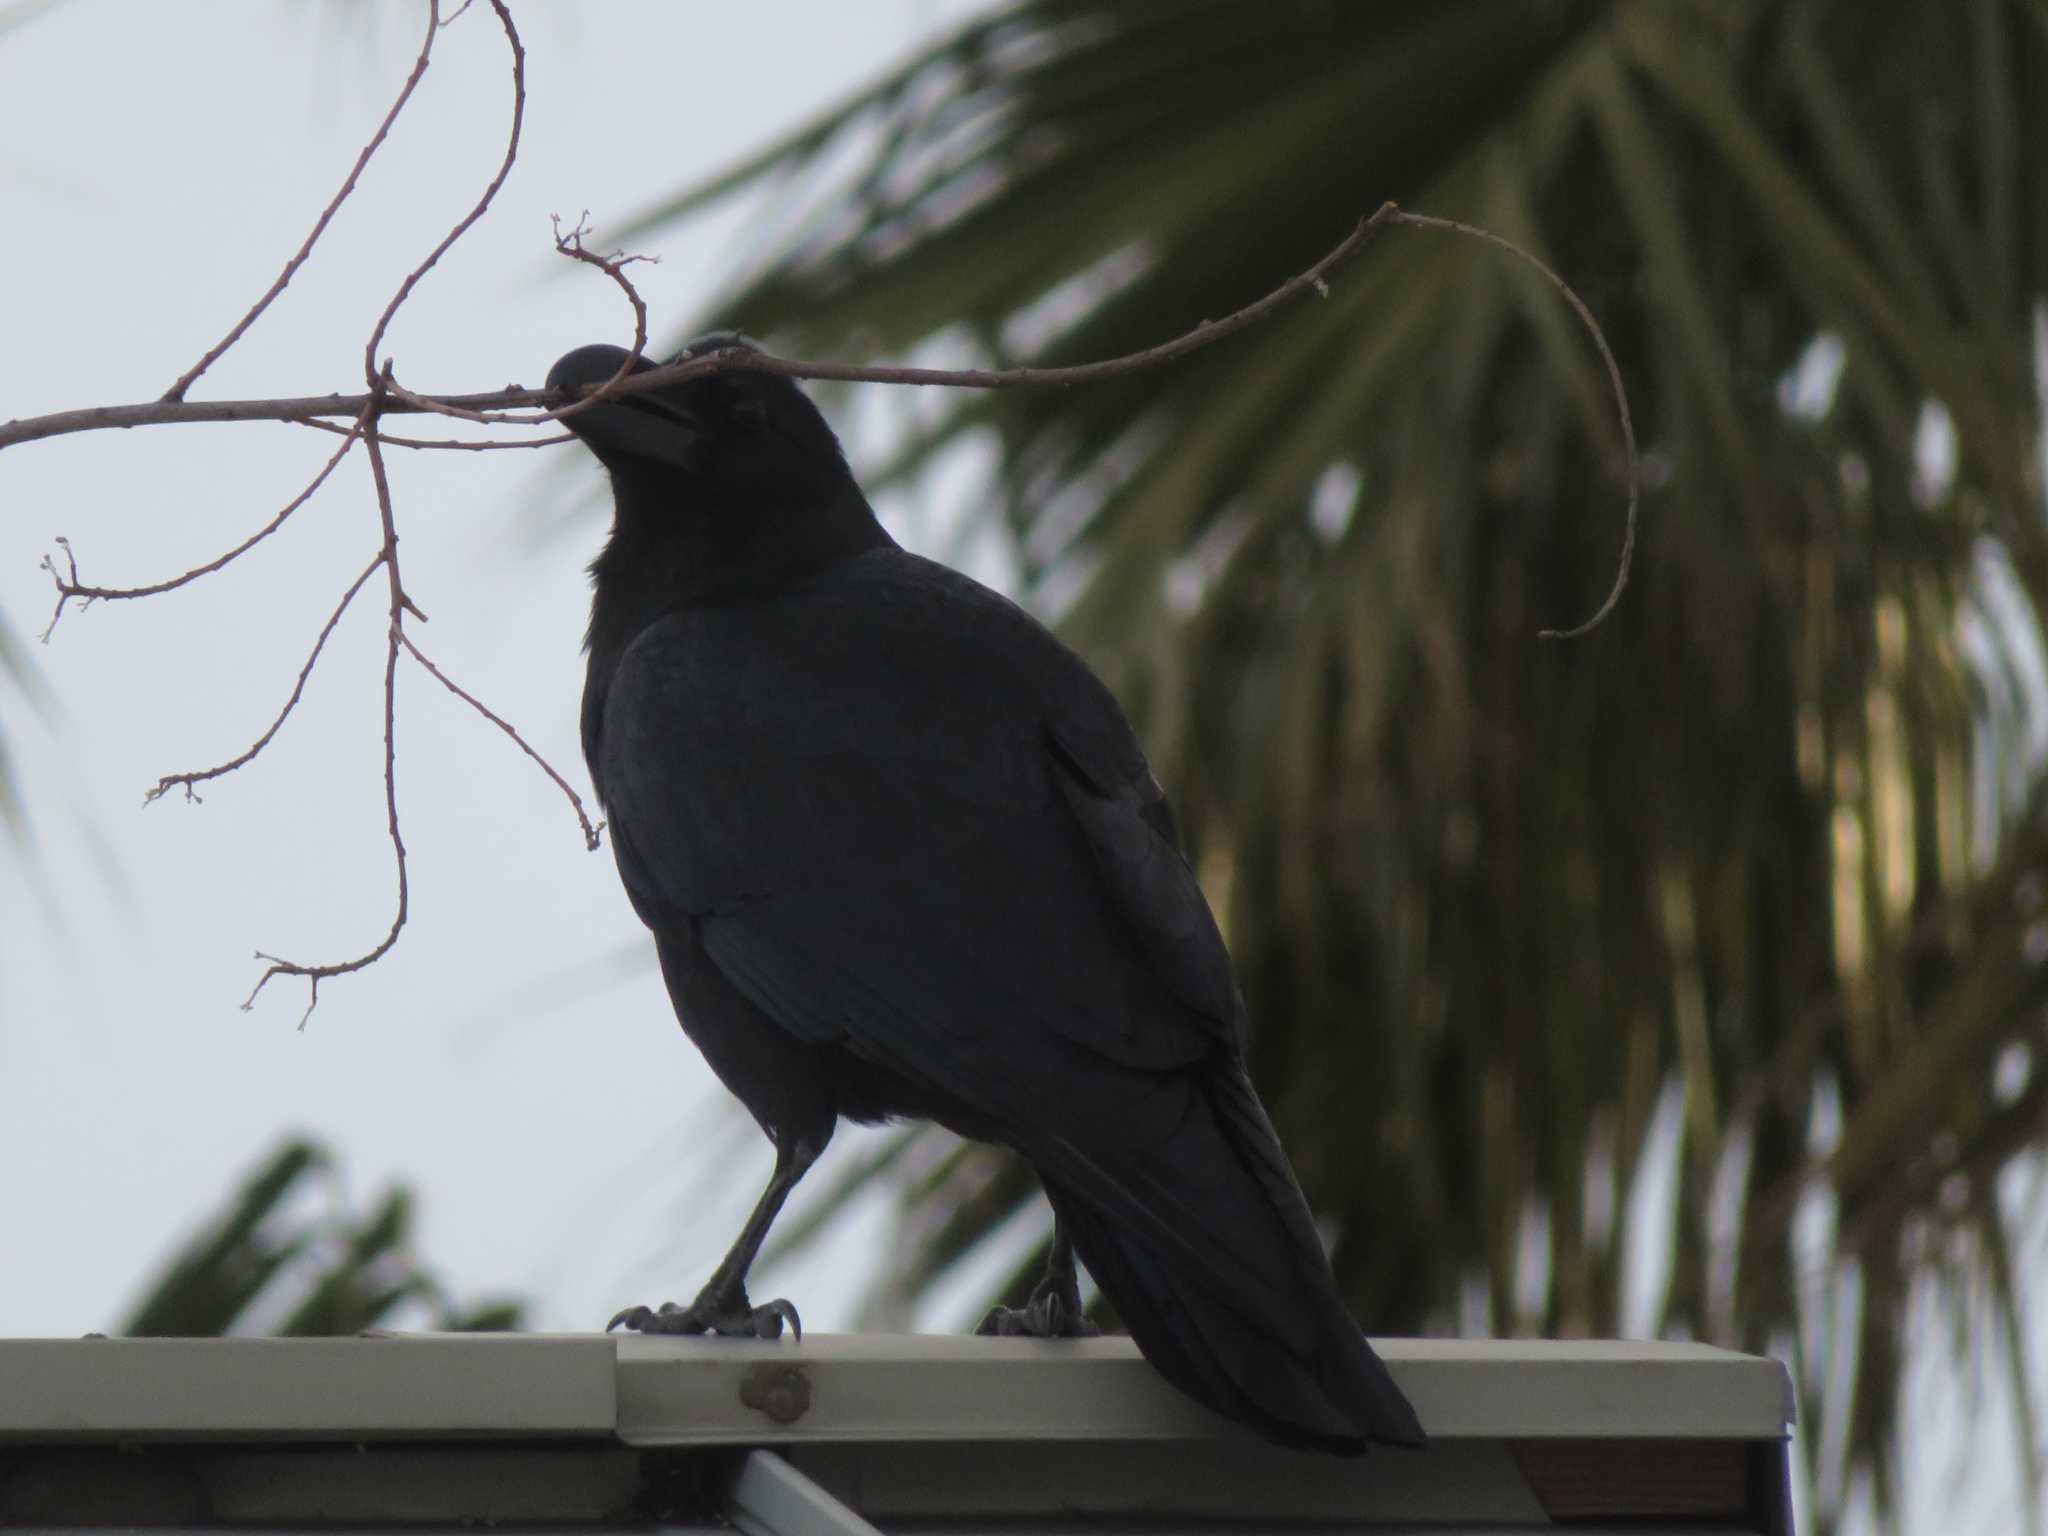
(646, 426)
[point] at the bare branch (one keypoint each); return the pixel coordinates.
(1628, 428)
(489, 409)
(69, 586)
(398, 604)
(379, 399)
(488, 406)
(483, 203)
(395, 634)
(419, 68)
(747, 360)
(296, 409)
(485, 406)
(613, 266)
(466, 445)
(386, 397)
(186, 781)
(432, 406)
(591, 830)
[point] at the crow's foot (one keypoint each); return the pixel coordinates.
(732, 1316)
(1047, 1315)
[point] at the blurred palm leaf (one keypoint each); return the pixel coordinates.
(278, 1259)
(16, 669)
(18, 673)
(1750, 886)
(20, 13)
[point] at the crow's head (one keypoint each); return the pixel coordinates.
(724, 485)
(749, 434)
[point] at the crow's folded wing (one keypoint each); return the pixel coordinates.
(904, 815)
(903, 818)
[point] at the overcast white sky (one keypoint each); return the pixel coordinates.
(162, 163)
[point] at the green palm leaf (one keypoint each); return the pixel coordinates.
(268, 1260)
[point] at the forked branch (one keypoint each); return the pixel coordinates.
(361, 417)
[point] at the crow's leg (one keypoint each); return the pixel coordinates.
(722, 1306)
(1054, 1310)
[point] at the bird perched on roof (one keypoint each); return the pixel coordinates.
(902, 857)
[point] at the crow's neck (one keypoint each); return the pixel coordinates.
(664, 557)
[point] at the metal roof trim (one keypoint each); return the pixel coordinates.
(937, 1388)
(830, 1388)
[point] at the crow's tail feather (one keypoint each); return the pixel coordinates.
(1281, 1354)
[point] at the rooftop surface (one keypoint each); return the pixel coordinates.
(844, 1434)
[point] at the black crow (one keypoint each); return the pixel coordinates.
(902, 857)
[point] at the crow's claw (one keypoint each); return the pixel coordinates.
(1048, 1315)
(731, 1317)
(771, 1316)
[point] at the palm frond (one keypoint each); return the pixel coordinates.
(1767, 850)
(286, 1257)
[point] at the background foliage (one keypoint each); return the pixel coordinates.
(1739, 902)
(286, 1255)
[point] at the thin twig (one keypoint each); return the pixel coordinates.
(591, 831)
(387, 556)
(747, 360)
(721, 360)
(465, 445)
(419, 69)
(483, 203)
(430, 405)
(153, 413)
(613, 266)
(185, 781)
(1628, 429)
(69, 587)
